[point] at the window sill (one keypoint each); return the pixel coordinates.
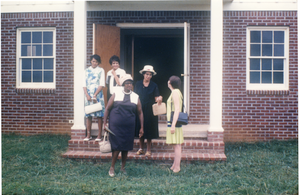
(268, 92)
(35, 91)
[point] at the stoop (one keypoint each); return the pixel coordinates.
(199, 145)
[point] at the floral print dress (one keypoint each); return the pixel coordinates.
(94, 77)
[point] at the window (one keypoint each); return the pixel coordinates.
(267, 58)
(36, 57)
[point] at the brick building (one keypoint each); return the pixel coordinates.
(239, 62)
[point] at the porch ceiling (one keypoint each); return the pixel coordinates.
(150, 5)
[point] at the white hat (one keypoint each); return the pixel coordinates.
(148, 68)
(124, 78)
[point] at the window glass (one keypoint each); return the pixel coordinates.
(26, 37)
(278, 77)
(278, 64)
(48, 50)
(37, 63)
(254, 64)
(278, 36)
(266, 50)
(48, 63)
(267, 37)
(266, 64)
(254, 77)
(25, 50)
(255, 37)
(255, 50)
(266, 77)
(37, 50)
(48, 76)
(26, 64)
(26, 76)
(47, 37)
(37, 76)
(278, 50)
(36, 37)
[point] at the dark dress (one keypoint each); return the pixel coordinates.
(122, 121)
(147, 97)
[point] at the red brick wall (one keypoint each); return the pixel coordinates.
(247, 115)
(37, 111)
(257, 115)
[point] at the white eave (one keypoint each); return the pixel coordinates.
(147, 5)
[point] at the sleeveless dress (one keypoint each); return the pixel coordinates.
(94, 77)
(177, 137)
(147, 95)
(122, 120)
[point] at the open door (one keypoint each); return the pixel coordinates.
(106, 44)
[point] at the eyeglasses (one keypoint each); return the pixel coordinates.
(128, 83)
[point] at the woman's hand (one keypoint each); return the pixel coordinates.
(158, 100)
(105, 126)
(88, 98)
(172, 130)
(141, 132)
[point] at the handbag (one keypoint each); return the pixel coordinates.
(105, 146)
(183, 117)
(93, 108)
(159, 109)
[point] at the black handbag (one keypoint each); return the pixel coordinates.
(183, 117)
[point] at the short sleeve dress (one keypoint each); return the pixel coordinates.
(122, 120)
(111, 82)
(94, 77)
(177, 137)
(147, 97)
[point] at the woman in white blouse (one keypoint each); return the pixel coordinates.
(112, 77)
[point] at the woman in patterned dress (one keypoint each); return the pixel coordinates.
(93, 84)
(122, 108)
(174, 135)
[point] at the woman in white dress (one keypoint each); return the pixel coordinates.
(112, 77)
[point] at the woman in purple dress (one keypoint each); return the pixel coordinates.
(122, 108)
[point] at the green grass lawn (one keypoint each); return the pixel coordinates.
(33, 165)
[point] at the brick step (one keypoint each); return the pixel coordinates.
(161, 156)
(158, 146)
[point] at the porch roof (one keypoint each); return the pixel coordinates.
(145, 5)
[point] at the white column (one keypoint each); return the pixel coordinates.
(80, 18)
(216, 66)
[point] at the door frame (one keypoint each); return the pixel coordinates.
(186, 27)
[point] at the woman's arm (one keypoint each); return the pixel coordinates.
(109, 105)
(141, 117)
(88, 97)
(97, 91)
(116, 77)
(175, 97)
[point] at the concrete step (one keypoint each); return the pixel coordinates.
(189, 131)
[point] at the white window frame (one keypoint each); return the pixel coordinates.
(35, 85)
(285, 85)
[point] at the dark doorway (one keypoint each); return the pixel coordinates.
(163, 49)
